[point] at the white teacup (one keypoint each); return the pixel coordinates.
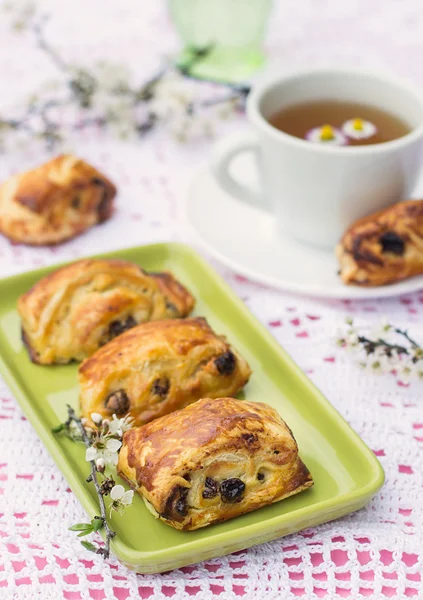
(315, 191)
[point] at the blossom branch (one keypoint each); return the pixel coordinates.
(110, 534)
(102, 440)
(384, 353)
(118, 106)
(371, 345)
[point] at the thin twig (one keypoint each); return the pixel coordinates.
(82, 123)
(241, 89)
(404, 333)
(109, 532)
(38, 28)
(214, 101)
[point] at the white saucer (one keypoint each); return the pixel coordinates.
(245, 239)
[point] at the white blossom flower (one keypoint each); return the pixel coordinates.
(120, 498)
(406, 372)
(100, 464)
(378, 362)
(417, 355)
(96, 418)
(358, 129)
(74, 431)
(382, 330)
(327, 136)
(121, 117)
(112, 76)
(348, 341)
(105, 448)
(177, 90)
(119, 426)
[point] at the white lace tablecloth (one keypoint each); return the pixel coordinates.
(374, 553)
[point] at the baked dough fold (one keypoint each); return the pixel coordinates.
(211, 461)
(159, 367)
(72, 312)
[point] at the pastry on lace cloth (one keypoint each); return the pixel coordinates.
(384, 247)
(75, 310)
(54, 202)
(211, 461)
(158, 367)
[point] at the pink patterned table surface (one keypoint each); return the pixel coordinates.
(374, 553)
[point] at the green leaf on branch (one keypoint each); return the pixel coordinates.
(80, 527)
(89, 546)
(58, 428)
(86, 532)
(97, 523)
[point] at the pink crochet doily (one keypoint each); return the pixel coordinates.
(374, 553)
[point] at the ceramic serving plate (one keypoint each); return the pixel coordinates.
(345, 471)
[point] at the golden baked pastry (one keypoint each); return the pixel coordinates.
(54, 202)
(159, 367)
(212, 461)
(384, 247)
(70, 313)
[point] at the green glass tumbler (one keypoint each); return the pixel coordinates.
(234, 29)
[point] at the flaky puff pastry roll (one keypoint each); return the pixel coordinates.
(159, 367)
(54, 202)
(212, 461)
(72, 312)
(384, 247)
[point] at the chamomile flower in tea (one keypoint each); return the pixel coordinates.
(306, 121)
(326, 134)
(359, 129)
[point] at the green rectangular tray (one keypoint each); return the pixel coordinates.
(345, 471)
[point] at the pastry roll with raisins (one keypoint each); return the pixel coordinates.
(212, 461)
(159, 367)
(70, 313)
(54, 202)
(384, 247)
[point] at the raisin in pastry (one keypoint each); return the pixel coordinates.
(212, 461)
(54, 202)
(384, 247)
(70, 313)
(159, 367)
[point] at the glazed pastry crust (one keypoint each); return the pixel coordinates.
(159, 367)
(70, 313)
(54, 202)
(184, 464)
(384, 247)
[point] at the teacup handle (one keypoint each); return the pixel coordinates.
(223, 153)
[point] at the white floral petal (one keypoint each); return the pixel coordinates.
(117, 492)
(96, 418)
(90, 453)
(338, 139)
(127, 497)
(111, 458)
(128, 423)
(114, 425)
(366, 130)
(113, 445)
